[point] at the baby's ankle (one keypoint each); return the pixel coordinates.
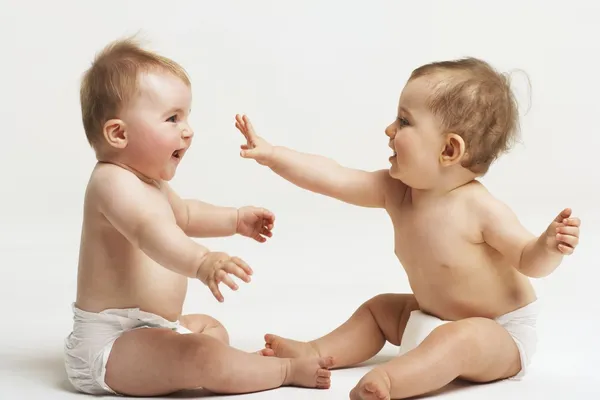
(286, 371)
(315, 347)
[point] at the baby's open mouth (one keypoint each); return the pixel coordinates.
(176, 154)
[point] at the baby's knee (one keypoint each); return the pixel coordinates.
(379, 300)
(201, 353)
(201, 323)
(219, 332)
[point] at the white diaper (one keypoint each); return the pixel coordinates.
(520, 324)
(89, 344)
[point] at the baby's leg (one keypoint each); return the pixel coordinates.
(382, 318)
(155, 361)
(200, 323)
(475, 349)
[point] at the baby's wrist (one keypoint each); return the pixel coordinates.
(273, 156)
(237, 221)
(202, 264)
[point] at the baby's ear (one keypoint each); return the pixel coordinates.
(115, 134)
(453, 149)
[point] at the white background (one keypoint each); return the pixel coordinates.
(318, 76)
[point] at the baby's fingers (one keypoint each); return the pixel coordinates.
(567, 239)
(239, 268)
(566, 250)
(249, 126)
(242, 264)
(214, 288)
(566, 213)
(222, 276)
(568, 230)
(572, 221)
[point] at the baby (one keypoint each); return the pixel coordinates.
(137, 251)
(473, 310)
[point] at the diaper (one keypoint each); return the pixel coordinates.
(89, 344)
(520, 324)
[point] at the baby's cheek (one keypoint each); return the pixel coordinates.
(402, 144)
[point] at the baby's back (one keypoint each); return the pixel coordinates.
(112, 272)
(453, 273)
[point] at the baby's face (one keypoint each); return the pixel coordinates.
(158, 133)
(415, 138)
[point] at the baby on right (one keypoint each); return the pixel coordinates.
(473, 310)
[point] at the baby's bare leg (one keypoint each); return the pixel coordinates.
(382, 318)
(153, 361)
(475, 349)
(200, 323)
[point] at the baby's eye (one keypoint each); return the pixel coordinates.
(172, 118)
(403, 121)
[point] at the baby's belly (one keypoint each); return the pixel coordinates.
(455, 293)
(136, 282)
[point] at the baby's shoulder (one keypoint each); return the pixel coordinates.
(481, 203)
(106, 177)
(108, 181)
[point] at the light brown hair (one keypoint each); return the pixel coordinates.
(472, 99)
(112, 82)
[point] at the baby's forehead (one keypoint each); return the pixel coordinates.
(158, 86)
(416, 92)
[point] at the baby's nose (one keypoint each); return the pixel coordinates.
(187, 131)
(389, 131)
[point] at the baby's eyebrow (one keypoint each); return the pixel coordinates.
(406, 111)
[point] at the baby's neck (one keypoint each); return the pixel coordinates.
(123, 164)
(445, 185)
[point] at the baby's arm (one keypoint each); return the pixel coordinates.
(534, 256)
(316, 173)
(199, 219)
(146, 220)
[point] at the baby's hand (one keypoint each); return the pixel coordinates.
(256, 147)
(255, 223)
(563, 232)
(216, 267)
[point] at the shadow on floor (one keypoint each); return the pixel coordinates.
(48, 369)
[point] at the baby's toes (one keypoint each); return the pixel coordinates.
(323, 382)
(323, 373)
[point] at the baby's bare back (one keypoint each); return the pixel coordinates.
(453, 273)
(113, 273)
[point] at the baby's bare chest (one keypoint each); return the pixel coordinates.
(442, 235)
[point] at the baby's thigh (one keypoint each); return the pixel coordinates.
(157, 361)
(201, 323)
(486, 350)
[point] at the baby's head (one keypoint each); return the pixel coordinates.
(135, 106)
(454, 118)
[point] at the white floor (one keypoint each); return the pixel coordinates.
(290, 300)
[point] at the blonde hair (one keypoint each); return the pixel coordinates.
(473, 100)
(112, 82)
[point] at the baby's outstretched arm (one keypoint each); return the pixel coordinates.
(200, 219)
(144, 218)
(316, 173)
(534, 256)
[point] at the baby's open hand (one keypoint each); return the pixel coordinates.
(216, 267)
(256, 147)
(563, 232)
(255, 223)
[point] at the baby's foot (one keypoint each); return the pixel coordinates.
(312, 372)
(287, 348)
(373, 386)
